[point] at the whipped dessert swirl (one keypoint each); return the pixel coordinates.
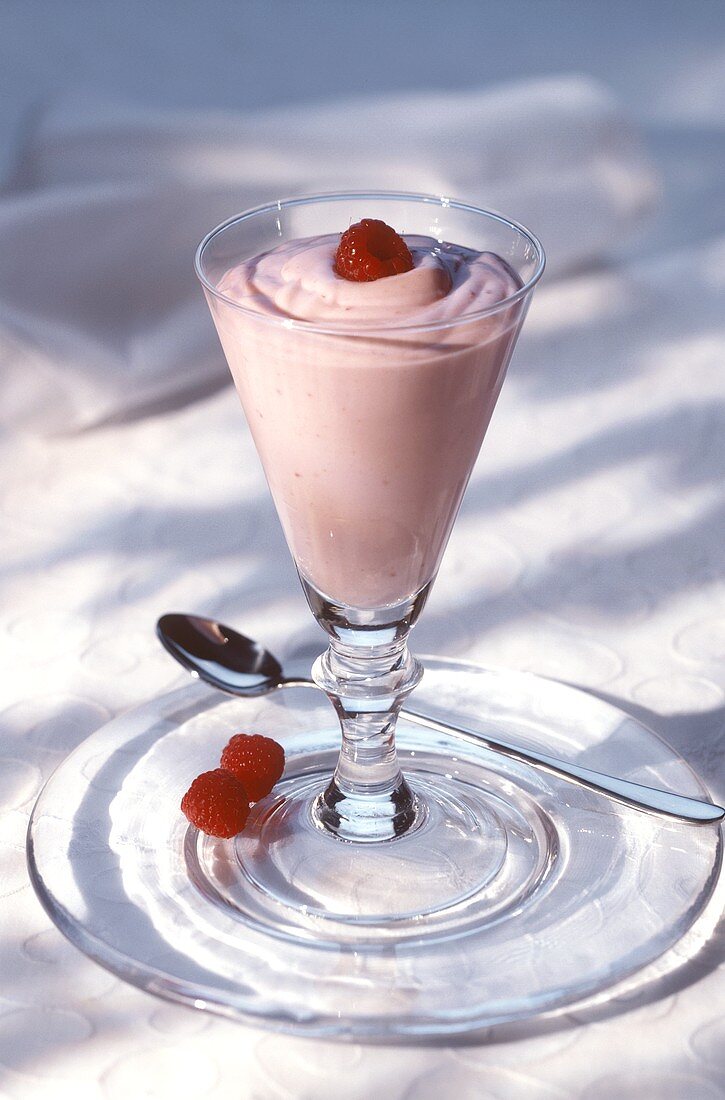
(369, 425)
(298, 281)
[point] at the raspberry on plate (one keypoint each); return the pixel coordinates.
(258, 762)
(217, 803)
(371, 250)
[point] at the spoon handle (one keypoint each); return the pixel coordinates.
(691, 810)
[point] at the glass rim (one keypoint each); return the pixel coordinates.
(358, 329)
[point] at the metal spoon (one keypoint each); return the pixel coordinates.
(238, 665)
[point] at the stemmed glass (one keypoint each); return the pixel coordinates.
(368, 433)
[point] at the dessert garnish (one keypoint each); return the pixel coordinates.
(256, 761)
(217, 803)
(371, 250)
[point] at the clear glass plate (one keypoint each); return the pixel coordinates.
(546, 896)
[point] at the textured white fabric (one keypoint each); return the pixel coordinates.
(100, 313)
(590, 548)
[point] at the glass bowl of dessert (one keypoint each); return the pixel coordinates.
(368, 348)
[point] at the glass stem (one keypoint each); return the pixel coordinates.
(368, 798)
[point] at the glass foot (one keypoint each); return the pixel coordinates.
(368, 819)
(471, 853)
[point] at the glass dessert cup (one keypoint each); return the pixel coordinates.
(368, 431)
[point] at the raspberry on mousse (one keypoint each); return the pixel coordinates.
(371, 250)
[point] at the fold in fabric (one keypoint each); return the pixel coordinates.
(100, 313)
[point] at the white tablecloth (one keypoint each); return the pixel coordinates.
(590, 547)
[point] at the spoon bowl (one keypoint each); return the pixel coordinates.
(219, 655)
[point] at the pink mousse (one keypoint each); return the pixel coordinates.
(368, 430)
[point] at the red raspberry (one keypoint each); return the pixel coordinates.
(370, 250)
(217, 803)
(258, 762)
